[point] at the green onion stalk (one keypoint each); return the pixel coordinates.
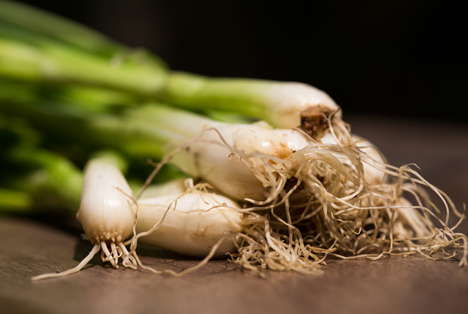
(32, 49)
(51, 182)
(34, 179)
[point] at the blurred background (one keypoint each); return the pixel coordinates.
(392, 57)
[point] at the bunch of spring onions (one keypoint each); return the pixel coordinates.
(284, 193)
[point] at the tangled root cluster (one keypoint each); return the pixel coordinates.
(323, 204)
(337, 200)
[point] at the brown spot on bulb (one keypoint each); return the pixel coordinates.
(314, 121)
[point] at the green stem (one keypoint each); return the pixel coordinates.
(56, 27)
(61, 65)
(14, 201)
(146, 131)
(195, 92)
(53, 181)
(90, 99)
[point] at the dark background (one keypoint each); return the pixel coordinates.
(392, 57)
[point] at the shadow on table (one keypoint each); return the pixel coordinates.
(159, 259)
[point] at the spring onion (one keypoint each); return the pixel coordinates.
(194, 222)
(107, 213)
(292, 190)
(33, 50)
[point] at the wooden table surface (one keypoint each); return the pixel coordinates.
(31, 246)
